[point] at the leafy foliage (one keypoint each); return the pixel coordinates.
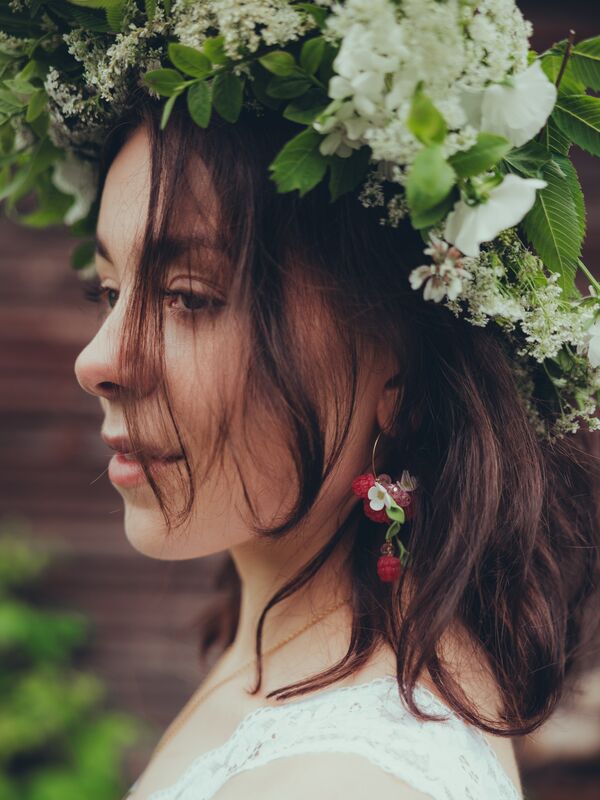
(338, 139)
(56, 739)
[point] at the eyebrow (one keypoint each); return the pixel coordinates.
(176, 246)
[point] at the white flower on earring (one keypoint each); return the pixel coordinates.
(379, 497)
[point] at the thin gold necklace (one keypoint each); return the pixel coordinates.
(199, 696)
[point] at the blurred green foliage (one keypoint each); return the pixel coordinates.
(57, 739)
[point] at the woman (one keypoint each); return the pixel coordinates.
(250, 370)
(270, 354)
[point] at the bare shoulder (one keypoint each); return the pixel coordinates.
(320, 776)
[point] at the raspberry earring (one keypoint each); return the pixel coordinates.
(388, 502)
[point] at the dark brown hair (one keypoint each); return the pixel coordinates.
(505, 534)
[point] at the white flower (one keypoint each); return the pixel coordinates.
(592, 344)
(517, 111)
(467, 226)
(445, 276)
(343, 129)
(74, 176)
(379, 497)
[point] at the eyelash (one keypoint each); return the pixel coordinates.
(95, 292)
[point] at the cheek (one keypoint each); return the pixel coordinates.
(203, 373)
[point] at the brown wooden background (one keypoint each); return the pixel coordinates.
(53, 474)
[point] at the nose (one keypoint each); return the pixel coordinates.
(96, 367)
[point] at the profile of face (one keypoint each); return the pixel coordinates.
(205, 362)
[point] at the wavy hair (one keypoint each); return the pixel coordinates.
(505, 533)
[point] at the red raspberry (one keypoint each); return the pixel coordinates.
(388, 568)
(362, 484)
(400, 495)
(376, 516)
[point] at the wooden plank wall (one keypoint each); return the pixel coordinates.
(53, 467)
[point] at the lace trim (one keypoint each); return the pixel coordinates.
(432, 703)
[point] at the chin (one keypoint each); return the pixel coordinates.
(146, 532)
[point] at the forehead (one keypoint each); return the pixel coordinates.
(124, 206)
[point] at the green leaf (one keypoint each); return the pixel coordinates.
(293, 86)
(150, 8)
(552, 138)
(430, 179)
(578, 116)
(115, 10)
(199, 103)
(570, 173)
(553, 226)
(36, 105)
(164, 81)
(115, 14)
(279, 62)
(424, 120)
(167, 108)
(259, 81)
(189, 60)
(585, 62)
(316, 12)
(528, 159)
(43, 155)
(214, 50)
(306, 108)
(569, 84)
(347, 173)
(483, 155)
(52, 205)
(19, 86)
(425, 219)
(396, 513)
(227, 93)
(299, 164)
(83, 254)
(311, 54)
(326, 70)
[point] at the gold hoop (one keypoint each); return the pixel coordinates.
(373, 454)
(379, 434)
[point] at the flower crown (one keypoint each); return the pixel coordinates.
(435, 110)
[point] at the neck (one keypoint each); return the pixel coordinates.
(264, 566)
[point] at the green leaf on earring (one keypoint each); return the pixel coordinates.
(396, 513)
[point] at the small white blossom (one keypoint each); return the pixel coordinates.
(386, 48)
(244, 24)
(467, 226)
(379, 497)
(444, 276)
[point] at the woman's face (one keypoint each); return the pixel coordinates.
(205, 362)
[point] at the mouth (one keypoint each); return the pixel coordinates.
(166, 459)
(127, 472)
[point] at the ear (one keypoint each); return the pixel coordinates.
(390, 397)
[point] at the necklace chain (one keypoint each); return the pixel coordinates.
(199, 696)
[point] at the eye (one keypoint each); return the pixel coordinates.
(191, 302)
(185, 303)
(94, 291)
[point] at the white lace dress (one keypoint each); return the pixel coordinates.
(446, 760)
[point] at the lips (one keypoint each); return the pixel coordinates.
(123, 446)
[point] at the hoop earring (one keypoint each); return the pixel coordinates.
(392, 503)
